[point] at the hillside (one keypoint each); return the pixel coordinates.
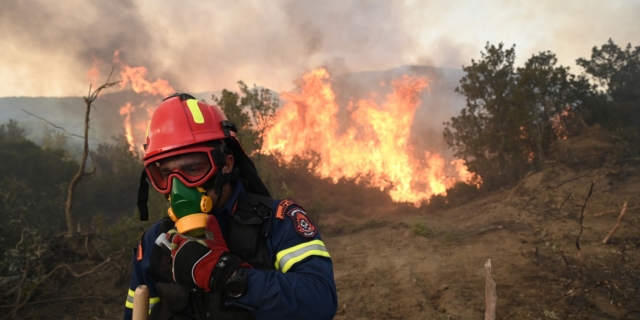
(394, 261)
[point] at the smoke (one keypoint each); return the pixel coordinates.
(48, 47)
(207, 45)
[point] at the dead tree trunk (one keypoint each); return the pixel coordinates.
(88, 100)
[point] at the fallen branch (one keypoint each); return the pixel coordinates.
(491, 296)
(624, 208)
(19, 304)
(566, 262)
(54, 299)
(582, 214)
(569, 197)
(614, 211)
(563, 182)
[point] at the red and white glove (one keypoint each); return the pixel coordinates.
(202, 263)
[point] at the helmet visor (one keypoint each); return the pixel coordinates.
(193, 168)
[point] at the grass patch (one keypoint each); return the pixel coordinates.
(420, 228)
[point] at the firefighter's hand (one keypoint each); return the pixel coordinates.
(202, 263)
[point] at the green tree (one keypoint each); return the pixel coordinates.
(262, 104)
(253, 113)
(113, 188)
(512, 115)
(11, 131)
(486, 132)
(52, 139)
(229, 102)
(548, 95)
(617, 71)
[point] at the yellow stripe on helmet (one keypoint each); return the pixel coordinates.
(195, 111)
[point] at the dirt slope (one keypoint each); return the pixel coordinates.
(386, 271)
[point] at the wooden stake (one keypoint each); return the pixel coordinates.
(491, 296)
(141, 303)
(624, 208)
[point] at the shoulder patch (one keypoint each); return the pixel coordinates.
(139, 252)
(283, 206)
(301, 223)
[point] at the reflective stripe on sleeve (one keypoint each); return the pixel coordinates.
(152, 302)
(285, 259)
(129, 303)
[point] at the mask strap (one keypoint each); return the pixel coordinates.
(220, 179)
(143, 196)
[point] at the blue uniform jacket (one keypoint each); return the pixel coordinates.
(301, 287)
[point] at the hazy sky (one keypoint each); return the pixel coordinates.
(47, 47)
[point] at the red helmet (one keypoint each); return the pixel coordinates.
(181, 124)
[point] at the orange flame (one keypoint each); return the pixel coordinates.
(135, 77)
(94, 73)
(558, 121)
(375, 146)
(464, 174)
(126, 112)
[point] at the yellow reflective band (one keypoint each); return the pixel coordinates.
(195, 110)
(129, 302)
(152, 302)
(131, 294)
(285, 259)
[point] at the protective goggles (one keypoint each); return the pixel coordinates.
(193, 166)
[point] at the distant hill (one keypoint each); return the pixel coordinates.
(439, 103)
(68, 112)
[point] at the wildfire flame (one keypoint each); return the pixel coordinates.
(135, 78)
(374, 149)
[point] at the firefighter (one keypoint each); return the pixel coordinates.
(226, 250)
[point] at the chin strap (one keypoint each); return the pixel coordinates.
(143, 197)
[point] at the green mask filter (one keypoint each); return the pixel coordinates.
(189, 208)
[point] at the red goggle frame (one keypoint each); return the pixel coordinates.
(160, 176)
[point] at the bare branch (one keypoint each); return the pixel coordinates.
(582, 214)
(21, 238)
(19, 305)
(88, 100)
(55, 299)
(53, 125)
(614, 211)
(624, 208)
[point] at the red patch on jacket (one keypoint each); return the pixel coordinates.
(139, 251)
(301, 223)
(282, 207)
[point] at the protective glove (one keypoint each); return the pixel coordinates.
(202, 263)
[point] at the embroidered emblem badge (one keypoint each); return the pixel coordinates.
(301, 223)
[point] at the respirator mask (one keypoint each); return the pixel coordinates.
(180, 176)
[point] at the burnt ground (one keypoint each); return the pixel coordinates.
(388, 271)
(398, 262)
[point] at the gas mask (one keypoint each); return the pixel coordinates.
(189, 209)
